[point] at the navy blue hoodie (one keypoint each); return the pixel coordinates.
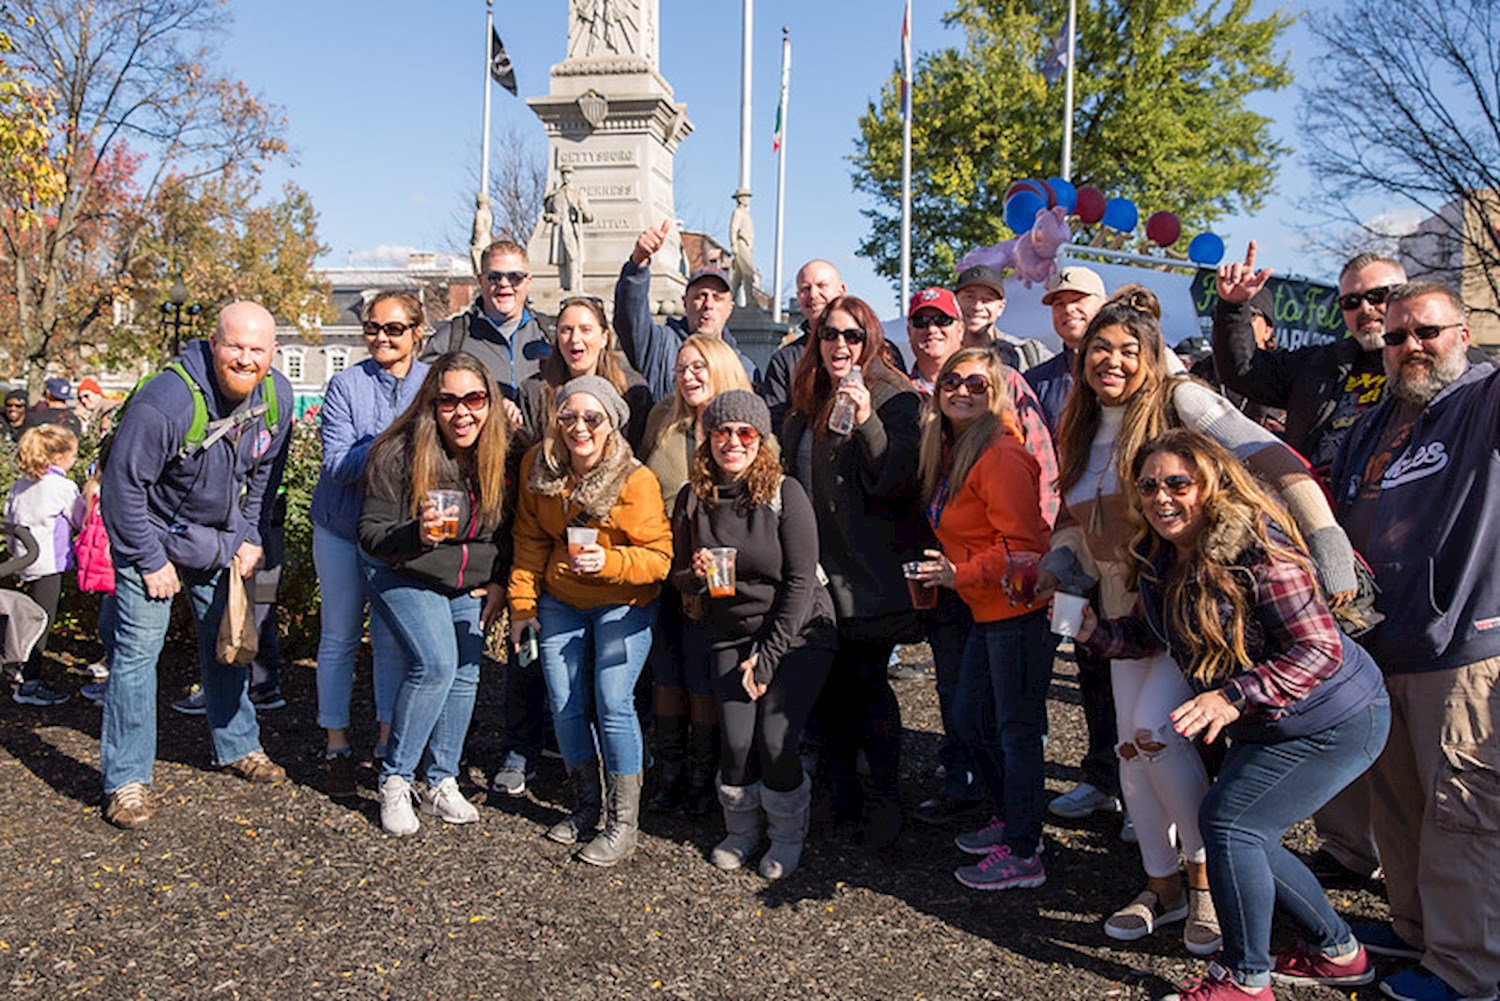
(189, 511)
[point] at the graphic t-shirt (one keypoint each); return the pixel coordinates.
(1362, 389)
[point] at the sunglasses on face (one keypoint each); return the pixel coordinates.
(1374, 296)
(977, 384)
(931, 320)
(745, 433)
(1177, 484)
(477, 400)
(591, 419)
(1399, 336)
(393, 330)
(831, 334)
(509, 277)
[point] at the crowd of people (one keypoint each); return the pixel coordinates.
(1276, 613)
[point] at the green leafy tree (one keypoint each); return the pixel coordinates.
(1160, 118)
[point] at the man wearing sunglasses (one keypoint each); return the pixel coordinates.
(498, 328)
(652, 347)
(1417, 487)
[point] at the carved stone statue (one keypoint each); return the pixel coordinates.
(611, 28)
(484, 226)
(742, 243)
(566, 210)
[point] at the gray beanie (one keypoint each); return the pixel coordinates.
(600, 389)
(738, 406)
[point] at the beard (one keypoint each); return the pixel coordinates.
(1422, 387)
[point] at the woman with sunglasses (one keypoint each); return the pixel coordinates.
(863, 486)
(682, 699)
(436, 575)
(984, 500)
(358, 405)
(1228, 588)
(1123, 396)
(769, 645)
(583, 344)
(589, 605)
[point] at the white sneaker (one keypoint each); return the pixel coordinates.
(446, 801)
(397, 816)
(1082, 800)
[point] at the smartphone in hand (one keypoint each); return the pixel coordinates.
(529, 649)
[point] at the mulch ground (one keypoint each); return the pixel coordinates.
(240, 891)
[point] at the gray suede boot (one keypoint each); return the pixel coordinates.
(621, 824)
(743, 820)
(584, 820)
(786, 823)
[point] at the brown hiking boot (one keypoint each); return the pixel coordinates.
(256, 767)
(129, 806)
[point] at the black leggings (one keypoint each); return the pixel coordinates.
(759, 738)
(859, 709)
(46, 592)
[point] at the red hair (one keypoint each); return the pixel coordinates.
(813, 388)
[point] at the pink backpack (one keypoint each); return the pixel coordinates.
(96, 571)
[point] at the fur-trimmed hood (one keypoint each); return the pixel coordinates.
(600, 487)
(1230, 536)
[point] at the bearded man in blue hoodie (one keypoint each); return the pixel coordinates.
(195, 458)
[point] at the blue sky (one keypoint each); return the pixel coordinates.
(383, 101)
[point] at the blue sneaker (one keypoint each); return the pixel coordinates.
(1000, 870)
(1381, 939)
(1417, 983)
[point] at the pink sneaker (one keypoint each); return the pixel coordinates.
(1216, 984)
(1301, 965)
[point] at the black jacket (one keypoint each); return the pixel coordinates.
(509, 362)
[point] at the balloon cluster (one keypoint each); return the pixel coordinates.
(1037, 212)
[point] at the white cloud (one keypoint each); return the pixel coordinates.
(382, 256)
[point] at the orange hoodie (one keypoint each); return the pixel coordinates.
(999, 502)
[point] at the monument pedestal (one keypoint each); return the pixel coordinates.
(756, 333)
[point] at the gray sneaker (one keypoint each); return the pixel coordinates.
(194, 703)
(513, 775)
(1082, 800)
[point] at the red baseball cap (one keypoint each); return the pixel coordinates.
(936, 298)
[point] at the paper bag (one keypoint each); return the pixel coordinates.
(238, 638)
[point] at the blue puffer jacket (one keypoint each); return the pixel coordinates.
(359, 403)
(189, 510)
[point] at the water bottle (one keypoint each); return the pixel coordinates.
(841, 417)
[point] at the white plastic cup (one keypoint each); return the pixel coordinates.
(1067, 613)
(578, 537)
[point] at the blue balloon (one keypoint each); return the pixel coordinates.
(1067, 195)
(1021, 210)
(1120, 214)
(1206, 249)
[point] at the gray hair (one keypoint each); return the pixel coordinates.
(1418, 289)
(1361, 261)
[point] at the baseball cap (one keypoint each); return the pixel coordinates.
(1264, 303)
(1075, 279)
(981, 275)
(59, 388)
(709, 274)
(939, 299)
(16, 395)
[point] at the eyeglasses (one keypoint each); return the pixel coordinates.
(510, 277)
(977, 385)
(392, 330)
(1399, 336)
(693, 368)
(931, 320)
(744, 432)
(477, 400)
(591, 419)
(1374, 296)
(831, 334)
(1177, 484)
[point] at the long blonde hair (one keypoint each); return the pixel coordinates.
(940, 446)
(42, 446)
(1206, 596)
(725, 370)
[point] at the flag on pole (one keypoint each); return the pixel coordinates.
(500, 68)
(1055, 62)
(777, 134)
(906, 61)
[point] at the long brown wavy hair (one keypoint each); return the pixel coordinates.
(813, 388)
(762, 479)
(1206, 596)
(412, 454)
(1135, 309)
(963, 450)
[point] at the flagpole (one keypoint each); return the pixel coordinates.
(906, 92)
(1067, 143)
(786, 83)
(745, 55)
(483, 218)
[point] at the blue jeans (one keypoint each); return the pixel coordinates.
(344, 595)
(1262, 790)
(614, 640)
(1002, 714)
(948, 628)
(440, 643)
(127, 735)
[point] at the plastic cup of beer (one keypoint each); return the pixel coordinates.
(721, 572)
(446, 502)
(1067, 613)
(1020, 577)
(922, 594)
(580, 537)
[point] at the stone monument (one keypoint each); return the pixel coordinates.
(612, 122)
(742, 243)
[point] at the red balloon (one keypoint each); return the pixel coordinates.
(1163, 229)
(1035, 187)
(1047, 191)
(1090, 206)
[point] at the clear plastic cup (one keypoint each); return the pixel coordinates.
(1067, 613)
(721, 572)
(580, 537)
(922, 595)
(446, 502)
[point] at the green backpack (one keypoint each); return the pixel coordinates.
(202, 433)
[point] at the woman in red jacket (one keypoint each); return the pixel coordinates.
(983, 493)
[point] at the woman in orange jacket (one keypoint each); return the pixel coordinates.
(983, 495)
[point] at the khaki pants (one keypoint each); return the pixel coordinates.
(1344, 824)
(1437, 820)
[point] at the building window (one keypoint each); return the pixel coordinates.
(338, 360)
(292, 360)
